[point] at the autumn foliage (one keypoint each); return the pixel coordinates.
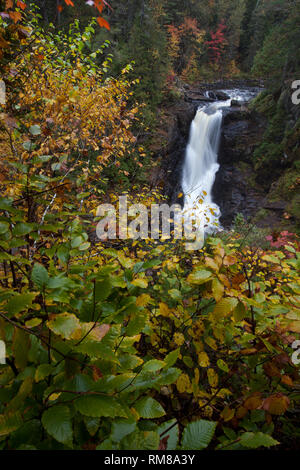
(121, 344)
(217, 43)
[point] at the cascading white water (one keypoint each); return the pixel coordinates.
(201, 163)
(200, 168)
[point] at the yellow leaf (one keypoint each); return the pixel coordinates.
(211, 342)
(53, 396)
(210, 262)
(140, 283)
(213, 378)
(183, 383)
(143, 300)
(178, 338)
(203, 359)
(164, 309)
(217, 289)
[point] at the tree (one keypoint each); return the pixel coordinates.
(217, 43)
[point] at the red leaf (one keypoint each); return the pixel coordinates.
(21, 5)
(99, 5)
(163, 443)
(103, 23)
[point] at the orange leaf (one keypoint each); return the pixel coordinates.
(15, 16)
(9, 4)
(103, 23)
(60, 8)
(287, 380)
(276, 404)
(99, 5)
(21, 5)
(69, 2)
(254, 402)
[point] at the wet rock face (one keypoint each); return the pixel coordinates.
(232, 191)
(233, 194)
(241, 132)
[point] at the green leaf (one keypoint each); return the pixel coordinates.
(42, 372)
(97, 406)
(9, 423)
(92, 425)
(6, 205)
(102, 290)
(168, 376)
(253, 440)
(121, 428)
(200, 277)
(22, 229)
(18, 303)
(225, 306)
(149, 408)
(63, 253)
(57, 422)
(222, 365)
(21, 346)
(153, 365)
(64, 324)
(271, 259)
(171, 358)
(103, 349)
(4, 227)
(175, 294)
(42, 158)
(55, 166)
(198, 434)
(239, 312)
(28, 145)
(39, 275)
(35, 130)
(24, 391)
(173, 434)
(84, 246)
(137, 323)
(141, 440)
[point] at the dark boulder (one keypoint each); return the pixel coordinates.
(221, 95)
(192, 97)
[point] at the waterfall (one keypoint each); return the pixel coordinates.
(201, 162)
(200, 168)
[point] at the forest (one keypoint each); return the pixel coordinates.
(115, 333)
